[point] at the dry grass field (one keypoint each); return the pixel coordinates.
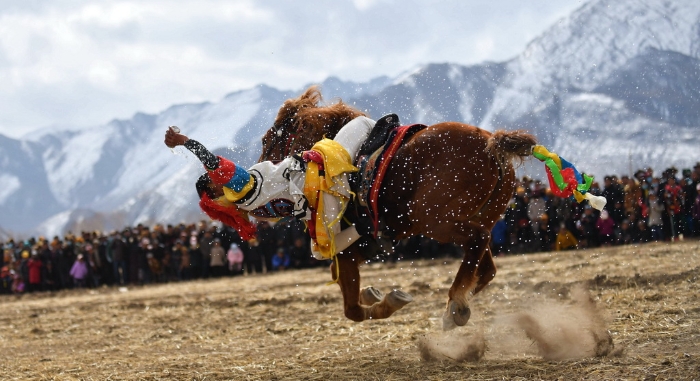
(290, 326)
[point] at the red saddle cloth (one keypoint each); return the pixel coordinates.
(378, 164)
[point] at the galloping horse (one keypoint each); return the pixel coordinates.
(450, 182)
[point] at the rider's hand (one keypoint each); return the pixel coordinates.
(173, 139)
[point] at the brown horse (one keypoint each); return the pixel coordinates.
(450, 182)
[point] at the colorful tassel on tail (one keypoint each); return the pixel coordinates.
(565, 180)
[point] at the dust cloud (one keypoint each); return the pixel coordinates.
(553, 330)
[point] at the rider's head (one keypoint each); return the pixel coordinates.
(213, 204)
(206, 186)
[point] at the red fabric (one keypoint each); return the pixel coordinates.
(569, 179)
(231, 216)
(224, 173)
(313, 156)
(34, 266)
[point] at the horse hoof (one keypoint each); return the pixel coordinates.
(462, 316)
(370, 295)
(398, 298)
(455, 316)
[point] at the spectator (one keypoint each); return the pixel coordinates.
(252, 257)
(267, 245)
(34, 266)
(280, 261)
(155, 267)
(118, 247)
(625, 234)
(606, 229)
(536, 212)
(206, 241)
(655, 220)
(673, 199)
(218, 256)
(565, 239)
(17, 282)
(175, 260)
(633, 197)
(614, 194)
(185, 266)
(5, 280)
(299, 254)
(79, 271)
(589, 236)
(640, 234)
(235, 257)
(94, 264)
(519, 210)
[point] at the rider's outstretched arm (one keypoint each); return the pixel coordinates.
(207, 158)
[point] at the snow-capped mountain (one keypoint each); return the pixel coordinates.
(612, 87)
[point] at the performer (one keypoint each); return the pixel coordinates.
(267, 190)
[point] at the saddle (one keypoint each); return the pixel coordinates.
(373, 161)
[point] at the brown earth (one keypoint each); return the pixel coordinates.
(544, 316)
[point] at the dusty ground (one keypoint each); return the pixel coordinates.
(291, 325)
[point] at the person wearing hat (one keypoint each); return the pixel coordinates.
(228, 192)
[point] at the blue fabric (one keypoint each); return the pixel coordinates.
(565, 164)
(240, 178)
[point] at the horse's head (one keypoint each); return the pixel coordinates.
(301, 122)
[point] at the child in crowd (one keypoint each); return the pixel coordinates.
(79, 271)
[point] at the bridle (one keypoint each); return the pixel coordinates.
(278, 136)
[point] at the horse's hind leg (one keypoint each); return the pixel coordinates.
(470, 277)
(381, 307)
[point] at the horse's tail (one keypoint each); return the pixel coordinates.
(507, 146)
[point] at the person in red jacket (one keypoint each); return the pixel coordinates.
(34, 266)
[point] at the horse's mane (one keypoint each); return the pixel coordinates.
(306, 112)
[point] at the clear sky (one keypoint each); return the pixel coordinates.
(84, 62)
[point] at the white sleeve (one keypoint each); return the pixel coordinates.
(353, 134)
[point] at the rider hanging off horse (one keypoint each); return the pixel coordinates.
(312, 186)
(449, 181)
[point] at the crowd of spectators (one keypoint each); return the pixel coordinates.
(143, 254)
(640, 208)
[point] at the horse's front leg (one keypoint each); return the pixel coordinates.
(475, 272)
(370, 303)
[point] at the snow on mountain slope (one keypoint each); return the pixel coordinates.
(73, 166)
(601, 149)
(148, 162)
(583, 49)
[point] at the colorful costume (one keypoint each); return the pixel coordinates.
(272, 191)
